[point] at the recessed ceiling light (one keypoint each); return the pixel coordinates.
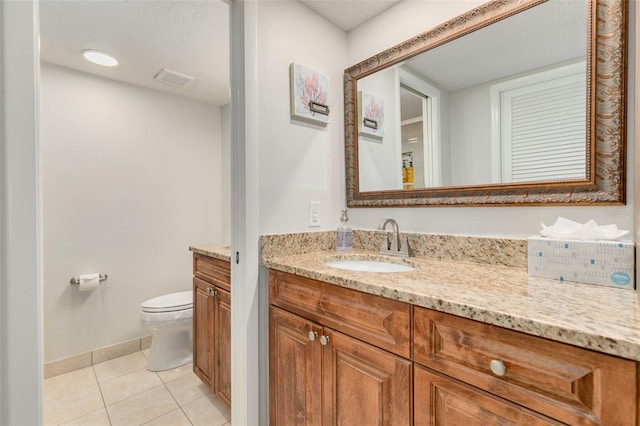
(100, 58)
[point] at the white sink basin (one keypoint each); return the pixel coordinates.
(369, 266)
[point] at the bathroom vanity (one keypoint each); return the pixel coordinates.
(450, 342)
(212, 319)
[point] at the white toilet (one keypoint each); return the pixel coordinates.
(169, 318)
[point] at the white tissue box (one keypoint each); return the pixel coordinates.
(607, 263)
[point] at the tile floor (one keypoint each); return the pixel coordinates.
(123, 392)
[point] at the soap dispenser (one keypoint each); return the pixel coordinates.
(345, 234)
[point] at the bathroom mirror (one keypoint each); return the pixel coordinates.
(517, 102)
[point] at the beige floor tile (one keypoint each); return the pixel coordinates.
(206, 411)
(97, 418)
(174, 418)
(187, 388)
(122, 387)
(75, 403)
(176, 373)
(120, 366)
(58, 386)
(146, 353)
(142, 408)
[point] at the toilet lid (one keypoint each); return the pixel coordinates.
(169, 302)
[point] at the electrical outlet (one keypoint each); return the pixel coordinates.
(314, 213)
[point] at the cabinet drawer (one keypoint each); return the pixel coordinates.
(376, 320)
(215, 271)
(440, 400)
(570, 384)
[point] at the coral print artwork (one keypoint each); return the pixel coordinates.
(309, 94)
(371, 115)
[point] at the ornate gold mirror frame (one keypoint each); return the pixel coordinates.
(606, 116)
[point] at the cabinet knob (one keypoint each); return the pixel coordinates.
(312, 335)
(212, 292)
(324, 340)
(497, 367)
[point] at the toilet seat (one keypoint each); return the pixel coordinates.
(169, 303)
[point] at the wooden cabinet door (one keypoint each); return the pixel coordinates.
(202, 330)
(295, 363)
(440, 400)
(364, 385)
(222, 346)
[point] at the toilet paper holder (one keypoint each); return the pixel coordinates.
(76, 280)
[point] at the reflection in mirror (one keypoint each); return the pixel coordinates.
(504, 104)
(412, 131)
(501, 97)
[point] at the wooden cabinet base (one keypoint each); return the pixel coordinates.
(342, 357)
(212, 325)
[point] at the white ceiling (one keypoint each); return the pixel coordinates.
(348, 14)
(192, 37)
(187, 36)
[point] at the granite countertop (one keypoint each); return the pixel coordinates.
(222, 252)
(604, 319)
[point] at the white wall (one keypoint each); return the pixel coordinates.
(225, 171)
(399, 23)
(298, 162)
(131, 178)
(382, 158)
(470, 143)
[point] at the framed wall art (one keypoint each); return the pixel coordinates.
(370, 115)
(310, 94)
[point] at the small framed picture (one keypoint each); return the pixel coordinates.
(370, 115)
(310, 94)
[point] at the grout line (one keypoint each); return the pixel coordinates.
(104, 404)
(174, 398)
(138, 393)
(164, 414)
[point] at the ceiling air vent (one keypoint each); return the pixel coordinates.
(173, 78)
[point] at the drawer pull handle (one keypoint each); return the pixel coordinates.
(497, 367)
(312, 335)
(324, 340)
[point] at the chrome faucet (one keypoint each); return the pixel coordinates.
(394, 244)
